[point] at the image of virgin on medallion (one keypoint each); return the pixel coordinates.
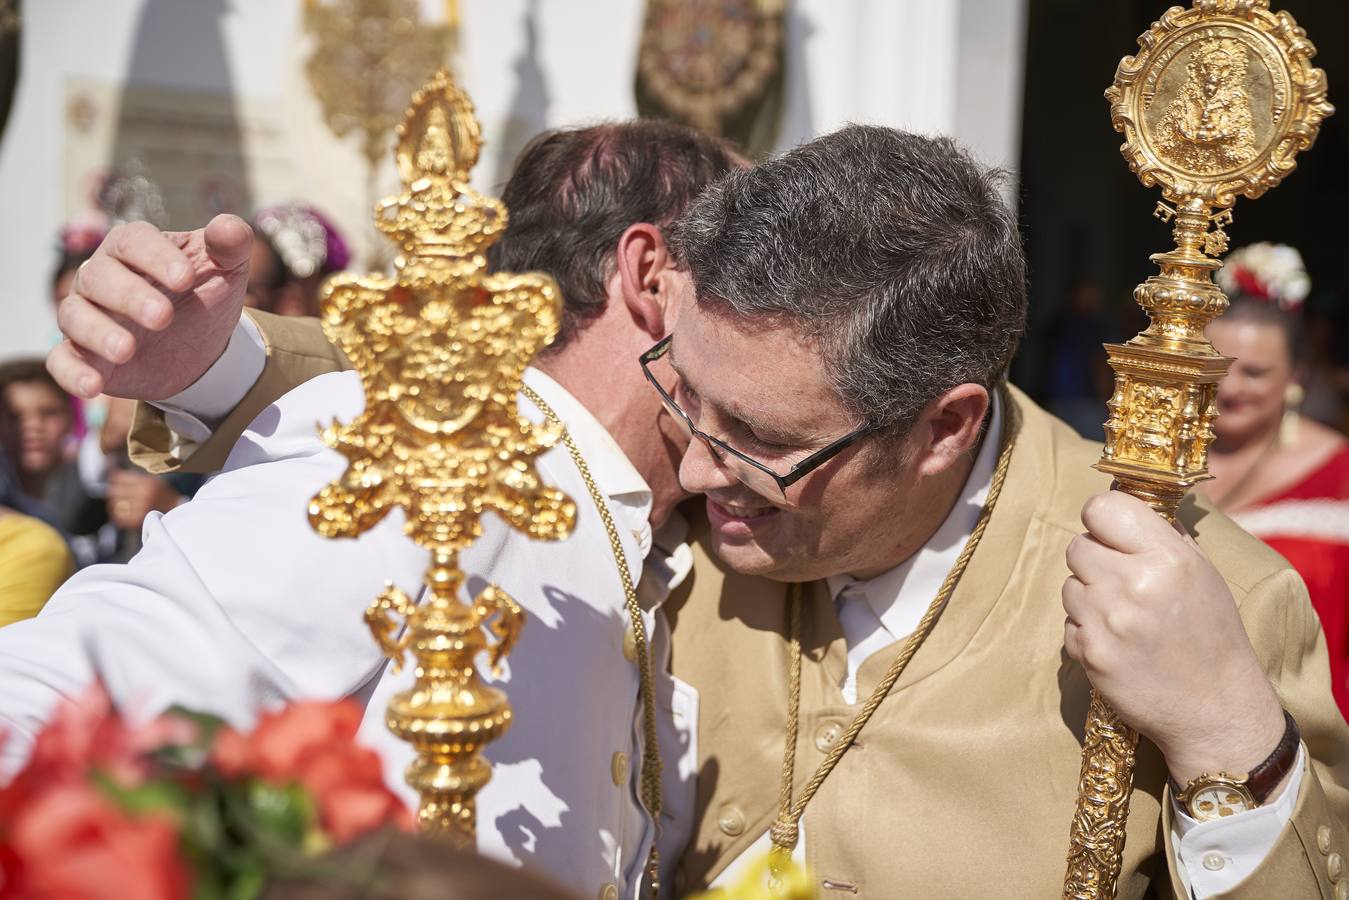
(1209, 127)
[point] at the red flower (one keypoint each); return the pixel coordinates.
(314, 743)
(88, 734)
(1250, 285)
(72, 843)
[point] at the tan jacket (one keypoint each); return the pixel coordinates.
(963, 783)
(965, 779)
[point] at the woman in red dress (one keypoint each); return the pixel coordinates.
(1281, 476)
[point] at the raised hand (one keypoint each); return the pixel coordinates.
(152, 310)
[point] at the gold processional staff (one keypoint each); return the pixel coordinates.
(441, 349)
(1217, 104)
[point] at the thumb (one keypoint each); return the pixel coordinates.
(228, 241)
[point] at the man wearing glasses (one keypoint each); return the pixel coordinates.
(875, 624)
(867, 290)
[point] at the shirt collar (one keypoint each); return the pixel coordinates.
(900, 596)
(614, 474)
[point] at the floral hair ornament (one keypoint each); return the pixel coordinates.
(306, 241)
(1273, 273)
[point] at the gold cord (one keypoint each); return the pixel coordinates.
(786, 830)
(651, 762)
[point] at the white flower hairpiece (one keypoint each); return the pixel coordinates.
(1270, 272)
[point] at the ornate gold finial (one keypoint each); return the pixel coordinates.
(1217, 104)
(441, 350)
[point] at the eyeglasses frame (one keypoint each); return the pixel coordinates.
(798, 471)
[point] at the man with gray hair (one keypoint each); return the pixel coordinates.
(875, 616)
(907, 702)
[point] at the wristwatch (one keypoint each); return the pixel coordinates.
(1211, 797)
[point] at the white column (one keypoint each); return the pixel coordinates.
(881, 62)
(990, 79)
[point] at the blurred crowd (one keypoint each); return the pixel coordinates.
(69, 495)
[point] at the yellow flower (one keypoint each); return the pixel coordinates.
(758, 883)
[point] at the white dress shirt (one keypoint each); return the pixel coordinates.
(876, 613)
(236, 605)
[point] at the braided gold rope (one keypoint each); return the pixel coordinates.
(793, 706)
(786, 831)
(651, 762)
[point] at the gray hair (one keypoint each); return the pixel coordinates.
(894, 251)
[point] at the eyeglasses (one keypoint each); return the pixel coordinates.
(755, 475)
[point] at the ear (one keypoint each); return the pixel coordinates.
(642, 262)
(950, 427)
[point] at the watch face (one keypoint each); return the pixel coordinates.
(1216, 801)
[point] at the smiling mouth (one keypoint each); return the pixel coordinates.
(739, 513)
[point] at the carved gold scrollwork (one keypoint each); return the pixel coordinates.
(441, 349)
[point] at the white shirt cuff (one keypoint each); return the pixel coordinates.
(1216, 856)
(196, 411)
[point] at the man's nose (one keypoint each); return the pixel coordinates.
(701, 471)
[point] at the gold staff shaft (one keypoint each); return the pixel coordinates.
(1157, 437)
(1218, 102)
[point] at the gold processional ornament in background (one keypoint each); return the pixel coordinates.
(368, 57)
(441, 349)
(702, 61)
(1217, 104)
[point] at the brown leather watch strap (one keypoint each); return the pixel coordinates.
(1262, 780)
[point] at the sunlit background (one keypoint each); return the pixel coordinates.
(174, 110)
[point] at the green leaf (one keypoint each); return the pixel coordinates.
(282, 814)
(143, 798)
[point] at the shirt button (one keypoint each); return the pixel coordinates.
(1214, 862)
(618, 768)
(1334, 866)
(1323, 839)
(1342, 891)
(731, 821)
(630, 645)
(827, 735)
(609, 892)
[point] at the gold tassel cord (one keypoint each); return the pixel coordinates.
(786, 830)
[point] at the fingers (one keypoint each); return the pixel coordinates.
(93, 331)
(1090, 560)
(1072, 639)
(229, 241)
(1075, 602)
(1125, 523)
(109, 284)
(76, 374)
(146, 249)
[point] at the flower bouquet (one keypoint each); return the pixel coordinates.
(184, 806)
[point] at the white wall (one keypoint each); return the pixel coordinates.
(948, 66)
